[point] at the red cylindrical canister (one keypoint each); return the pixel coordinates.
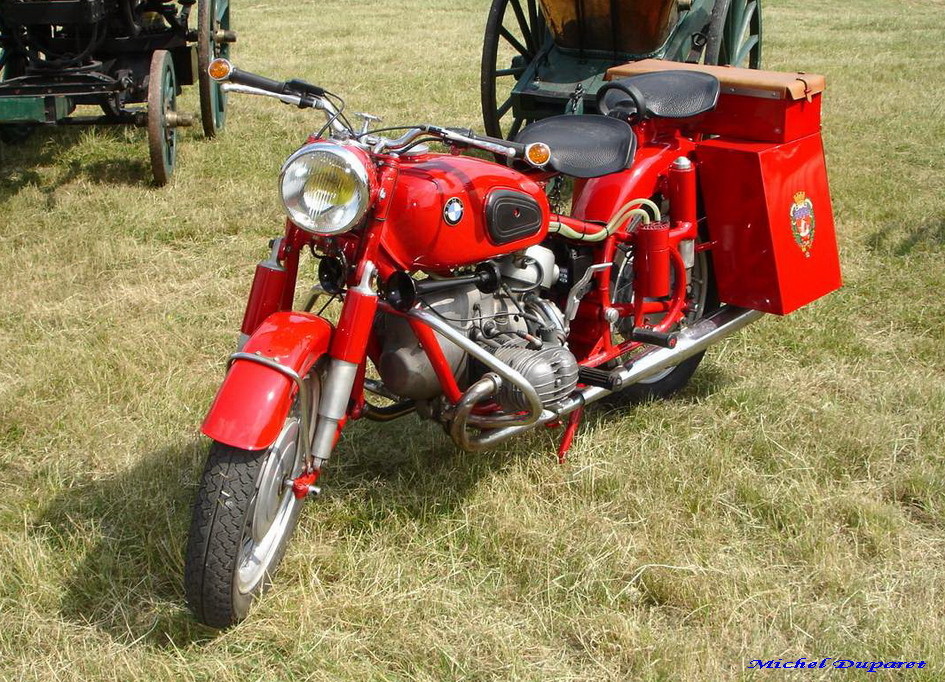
(651, 261)
(682, 193)
(265, 296)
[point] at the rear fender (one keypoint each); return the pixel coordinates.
(254, 399)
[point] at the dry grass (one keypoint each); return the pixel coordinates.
(791, 503)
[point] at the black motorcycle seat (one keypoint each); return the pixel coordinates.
(667, 94)
(584, 146)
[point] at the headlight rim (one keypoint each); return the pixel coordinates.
(353, 161)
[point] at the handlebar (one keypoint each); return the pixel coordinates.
(305, 95)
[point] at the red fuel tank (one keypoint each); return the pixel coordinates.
(448, 211)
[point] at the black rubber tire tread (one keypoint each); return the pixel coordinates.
(222, 512)
(672, 383)
(679, 378)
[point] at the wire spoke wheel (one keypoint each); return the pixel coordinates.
(701, 298)
(514, 38)
(213, 41)
(244, 516)
(735, 34)
(162, 108)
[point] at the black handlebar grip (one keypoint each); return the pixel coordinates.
(254, 81)
(305, 88)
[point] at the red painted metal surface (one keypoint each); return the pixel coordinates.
(418, 237)
(651, 261)
(574, 421)
(253, 401)
(354, 327)
(265, 295)
(599, 198)
(770, 220)
(300, 485)
(430, 344)
(761, 118)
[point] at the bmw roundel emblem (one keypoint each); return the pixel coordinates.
(453, 211)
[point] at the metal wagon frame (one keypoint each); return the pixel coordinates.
(56, 55)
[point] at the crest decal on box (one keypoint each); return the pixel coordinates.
(802, 222)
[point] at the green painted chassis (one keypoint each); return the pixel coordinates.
(52, 99)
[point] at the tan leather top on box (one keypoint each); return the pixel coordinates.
(752, 82)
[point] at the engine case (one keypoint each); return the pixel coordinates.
(403, 364)
(552, 370)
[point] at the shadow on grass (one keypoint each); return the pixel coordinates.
(51, 148)
(129, 531)
(899, 240)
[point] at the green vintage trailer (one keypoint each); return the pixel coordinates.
(127, 58)
(543, 57)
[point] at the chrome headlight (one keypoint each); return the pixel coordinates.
(325, 188)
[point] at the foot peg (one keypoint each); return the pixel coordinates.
(602, 378)
(655, 338)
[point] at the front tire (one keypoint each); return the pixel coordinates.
(244, 516)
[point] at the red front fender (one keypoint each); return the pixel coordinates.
(252, 404)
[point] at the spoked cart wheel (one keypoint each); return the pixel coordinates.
(734, 37)
(213, 40)
(515, 35)
(162, 116)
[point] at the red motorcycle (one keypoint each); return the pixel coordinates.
(700, 202)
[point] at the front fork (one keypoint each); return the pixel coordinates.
(347, 352)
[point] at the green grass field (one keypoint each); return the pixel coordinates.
(790, 503)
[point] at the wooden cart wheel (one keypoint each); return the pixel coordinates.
(515, 35)
(162, 114)
(213, 40)
(734, 37)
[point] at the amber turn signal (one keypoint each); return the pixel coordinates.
(537, 154)
(220, 69)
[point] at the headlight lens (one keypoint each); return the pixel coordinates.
(325, 188)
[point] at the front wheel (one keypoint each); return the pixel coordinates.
(243, 518)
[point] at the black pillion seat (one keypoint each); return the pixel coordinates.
(665, 94)
(584, 146)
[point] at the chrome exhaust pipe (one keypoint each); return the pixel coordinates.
(692, 340)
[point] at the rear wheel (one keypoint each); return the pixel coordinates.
(243, 518)
(702, 301)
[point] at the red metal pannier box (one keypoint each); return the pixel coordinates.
(764, 187)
